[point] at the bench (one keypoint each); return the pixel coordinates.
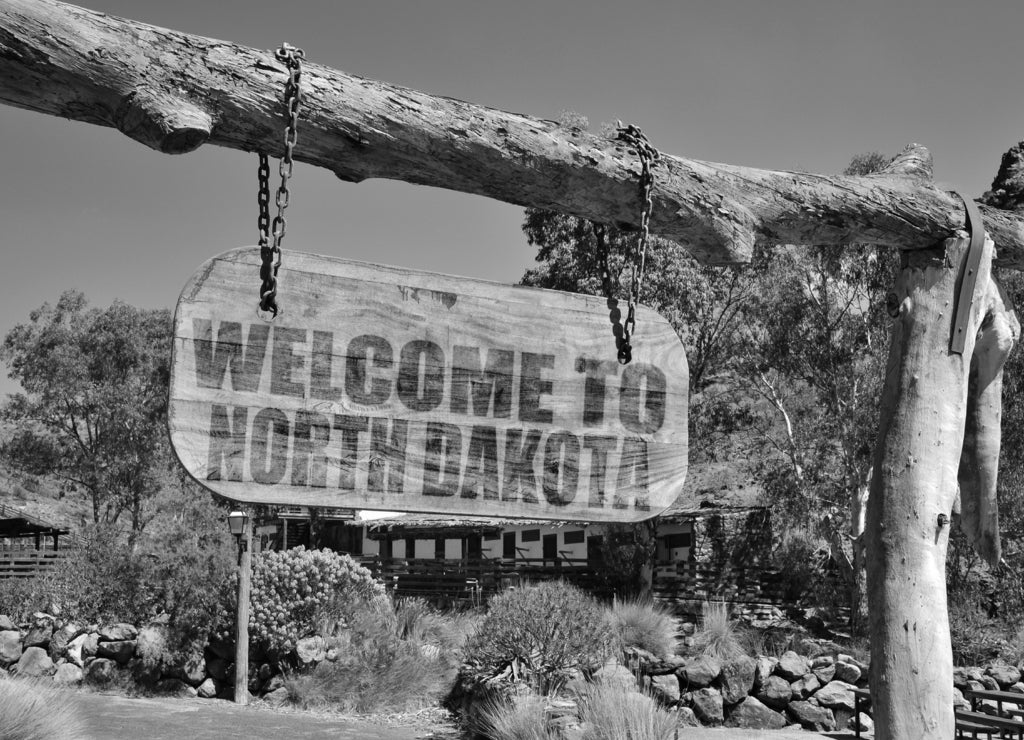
(1004, 726)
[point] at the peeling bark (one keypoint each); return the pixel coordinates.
(173, 92)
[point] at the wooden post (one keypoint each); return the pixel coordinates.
(242, 623)
(913, 490)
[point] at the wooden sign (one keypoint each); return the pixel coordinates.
(384, 388)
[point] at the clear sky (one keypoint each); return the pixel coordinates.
(779, 84)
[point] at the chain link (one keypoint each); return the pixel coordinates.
(649, 156)
(273, 231)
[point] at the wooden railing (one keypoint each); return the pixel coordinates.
(27, 563)
(477, 579)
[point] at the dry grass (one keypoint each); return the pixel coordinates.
(610, 712)
(31, 711)
(646, 625)
(718, 635)
(514, 718)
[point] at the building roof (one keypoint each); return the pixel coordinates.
(17, 523)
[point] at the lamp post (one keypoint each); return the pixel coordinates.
(239, 523)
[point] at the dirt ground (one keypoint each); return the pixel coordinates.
(116, 717)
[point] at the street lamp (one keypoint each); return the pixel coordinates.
(238, 524)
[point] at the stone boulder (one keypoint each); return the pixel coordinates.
(62, 637)
(792, 666)
(119, 650)
(35, 661)
(836, 695)
(861, 722)
(775, 692)
(1004, 675)
(68, 674)
(805, 687)
(10, 646)
(100, 672)
(90, 645)
(664, 688)
(824, 673)
(207, 689)
(191, 670)
(765, 668)
(6, 624)
(847, 672)
(277, 697)
(707, 705)
(39, 633)
(811, 716)
(700, 672)
(753, 715)
(616, 675)
(736, 679)
(685, 717)
(989, 683)
(118, 632)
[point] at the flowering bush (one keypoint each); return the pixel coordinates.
(300, 592)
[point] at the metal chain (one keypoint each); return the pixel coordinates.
(273, 231)
(649, 156)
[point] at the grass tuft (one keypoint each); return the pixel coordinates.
(718, 636)
(642, 623)
(514, 718)
(612, 712)
(32, 711)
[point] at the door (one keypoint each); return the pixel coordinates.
(550, 547)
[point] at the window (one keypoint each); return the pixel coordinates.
(492, 536)
(531, 535)
(574, 537)
(679, 539)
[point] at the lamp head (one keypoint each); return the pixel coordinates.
(237, 521)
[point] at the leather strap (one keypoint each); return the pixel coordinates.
(969, 278)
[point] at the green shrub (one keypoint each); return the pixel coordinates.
(614, 712)
(378, 668)
(299, 592)
(542, 632)
(646, 625)
(718, 635)
(514, 718)
(33, 711)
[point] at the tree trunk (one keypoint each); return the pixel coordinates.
(913, 489)
(174, 92)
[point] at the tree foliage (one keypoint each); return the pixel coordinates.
(94, 405)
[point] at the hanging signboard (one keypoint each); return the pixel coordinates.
(383, 388)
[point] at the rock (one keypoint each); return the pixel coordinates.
(274, 683)
(6, 624)
(639, 659)
(100, 672)
(175, 687)
(847, 672)
(822, 661)
(265, 671)
(1017, 688)
(73, 651)
(736, 679)
(765, 668)
(34, 662)
(989, 683)
(844, 658)
(91, 644)
(752, 714)
(686, 718)
(39, 634)
(836, 695)
(959, 702)
(207, 689)
(10, 646)
(861, 722)
(805, 687)
(824, 673)
(120, 650)
(217, 667)
(616, 675)
(118, 632)
(277, 697)
(1005, 675)
(960, 678)
(61, 638)
(699, 672)
(811, 717)
(68, 674)
(975, 685)
(973, 674)
(707, 705)
(775, 692)
(664, 688)
(792, 666)
(311, 650)
(661, 667)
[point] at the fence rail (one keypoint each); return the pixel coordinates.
(27, 563)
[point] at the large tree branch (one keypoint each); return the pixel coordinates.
(174, 92)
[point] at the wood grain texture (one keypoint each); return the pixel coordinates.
(378, 387)
(174, 92)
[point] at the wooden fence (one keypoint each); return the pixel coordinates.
(474, 581)
(27, 563)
